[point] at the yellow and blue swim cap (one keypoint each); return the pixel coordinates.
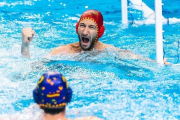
(52, 91)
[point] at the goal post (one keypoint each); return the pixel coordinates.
(124, 11)
(159, 31)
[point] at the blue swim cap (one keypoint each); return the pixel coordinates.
(52, 91)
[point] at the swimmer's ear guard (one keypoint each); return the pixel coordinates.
(69, 95)
(101, 31)
(52, 91)
(36, 96)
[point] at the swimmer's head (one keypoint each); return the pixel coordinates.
(52, 91)
(89, 29)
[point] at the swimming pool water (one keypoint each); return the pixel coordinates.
(104, 83)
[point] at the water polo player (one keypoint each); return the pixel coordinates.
(52, 94)
(89, 29)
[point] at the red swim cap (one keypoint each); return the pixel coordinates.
(96, 17)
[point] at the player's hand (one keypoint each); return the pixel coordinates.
(165, 62)
(27, 35)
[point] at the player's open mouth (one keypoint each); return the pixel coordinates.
(85, 40)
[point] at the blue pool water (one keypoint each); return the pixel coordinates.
(104, 84)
